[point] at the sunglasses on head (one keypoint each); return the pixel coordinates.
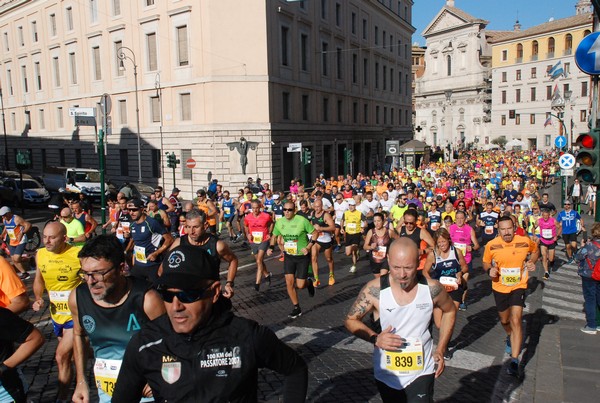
(184, 296)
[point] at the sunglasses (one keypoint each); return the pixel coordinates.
(133, 209)
(288, 209)
(184, 296)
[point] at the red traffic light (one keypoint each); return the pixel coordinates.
(586, 140)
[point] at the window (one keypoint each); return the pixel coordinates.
(117, 45)
(354, 112)
(533, 72)
(34, 31)
(400, 49)
(376, 35)
(364, 29)
(6, 42)
(365, 71)
(186, 106)
(52, 24)
(365, 114)
(503, 97)
(354, 68)
(399, 82)
(533, 94)
(504, 75)
(116, 7)
(338, 14)
(155, 109)
(584, 89)
(385, 112)
(323, 9)
(124, 161)
(94, 11)
(518, 95)
(504, 55)
(519, 53)
(567, 69)
(568, 44)
(61, 157)
(383, 37)
(353, 23)
(285, 105)
(503, 120)
(38, 75)
(377, 114)
(60, 117)
(69, 12)
(392, 116)
(304, 107)
(9, 82)
(304, 52)
(338, 60)
(97, 63)
(182, 46)
(551, 44)
(532, 119)
(461, 115)
(339, 111)
(324, 67)
(391, 79)
(156, 162)
(122, 111)
(149, 2)
(583, 115)
(548, 92)
(384, 77)
(449, 65)
(20, 36)
(517, 119)
(78, 157)
(73, 67)
(325, 109)
(376, 75)
(391, 43)
(24, 77)
(535, 50)
(13, 121)
(518, 75)
(285, 46)
(566, 88)
(42, 119)
(152, 56)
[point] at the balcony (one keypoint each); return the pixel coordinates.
(534, 58)
(567, 52)
(549, 55)
(519, 60)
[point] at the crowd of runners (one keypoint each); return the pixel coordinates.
(494, 201)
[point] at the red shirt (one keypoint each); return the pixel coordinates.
(258, 227)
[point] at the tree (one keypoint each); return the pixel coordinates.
(500, 141)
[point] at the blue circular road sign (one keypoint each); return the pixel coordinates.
(587, 55)
(560, 141)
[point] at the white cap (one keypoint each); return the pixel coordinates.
(275, 196)
(351, 202)
(4, 210)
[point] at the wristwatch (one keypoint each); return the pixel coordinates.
(71, 239)
(373, 339)
(230, 282)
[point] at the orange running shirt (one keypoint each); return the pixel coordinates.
(510, 259)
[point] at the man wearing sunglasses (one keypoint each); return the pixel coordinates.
(200, 351)
(108, 309)
(57, 271)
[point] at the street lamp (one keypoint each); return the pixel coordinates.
(4, 127)
(160, 101)
(122, 56)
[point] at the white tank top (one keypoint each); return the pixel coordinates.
(398, 369)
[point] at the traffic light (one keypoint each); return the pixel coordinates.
(588, 157)
(348, 155)
(172, 161)
(307, 158)
(23, 159)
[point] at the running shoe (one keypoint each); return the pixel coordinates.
(268, 278)
(462, 306)
(24, 276)
(588, 330)
(317, 282)
(546, 276)
(339, 249)
(508, 348)
(353, 269)
(257, 287)
(513, 368)
(296, 312)
(310, 287)
(331, 279)
(448, 355)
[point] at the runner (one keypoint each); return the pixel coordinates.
(464, 238)
(15, 236)
(570, 220)
(108, 308)
(351, 226)
(293, 229)
(488, 221)
(259, 227)
(198, 235)
(176, 213)
(340, 206)
(227, 209)
(85, 218)
(368, 208)
(324, 225)
(75, 229)
(550, 230)
(58, 272)
(377, 242)
(208, 207)
(420, 236)
(148, 241)
(508, 259)
(404, 357)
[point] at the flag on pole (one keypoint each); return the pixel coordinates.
(556, 94)
(556, 71)
(548, 121)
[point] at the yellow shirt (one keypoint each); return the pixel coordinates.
(352, 221)
(61, 275)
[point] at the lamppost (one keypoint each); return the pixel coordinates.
(160, 101)
(4, 127)
(122, 56)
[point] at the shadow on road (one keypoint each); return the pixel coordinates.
(534, 323)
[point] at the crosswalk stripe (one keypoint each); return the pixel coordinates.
(564, 314)
(566, 296)
(566, 273)
(571, 287)
(563, 304)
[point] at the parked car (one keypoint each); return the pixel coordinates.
(33, 191)
(133, 190)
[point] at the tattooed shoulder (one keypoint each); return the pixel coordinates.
(435, 289)
(374, 291)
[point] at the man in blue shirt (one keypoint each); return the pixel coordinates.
(568, 219)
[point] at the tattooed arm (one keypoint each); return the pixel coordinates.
(442, 300)
(366, 302)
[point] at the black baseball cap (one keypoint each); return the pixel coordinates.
(185, 267)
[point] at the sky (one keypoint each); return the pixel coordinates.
(501, 14)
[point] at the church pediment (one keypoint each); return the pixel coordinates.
(448, 18)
